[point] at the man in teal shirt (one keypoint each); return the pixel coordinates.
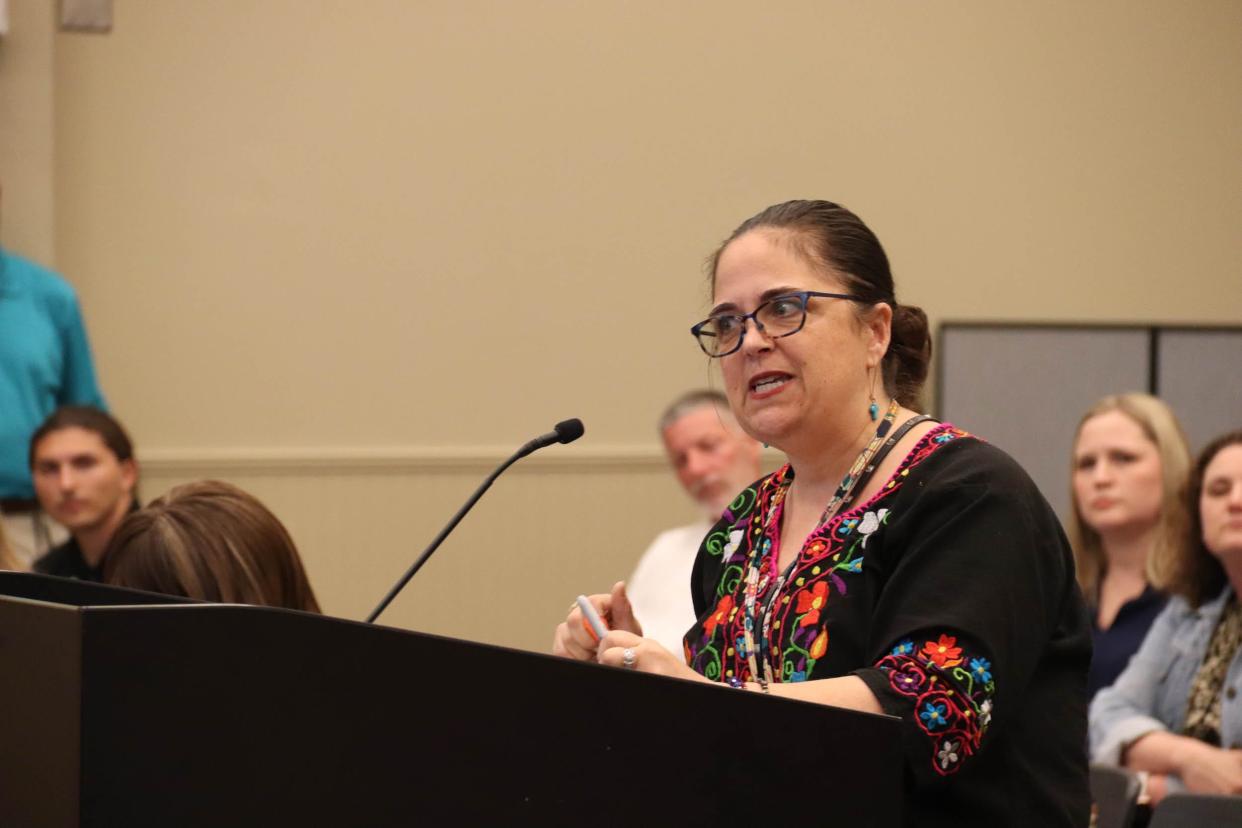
(45, 362)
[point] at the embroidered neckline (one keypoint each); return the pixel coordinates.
(911, 459)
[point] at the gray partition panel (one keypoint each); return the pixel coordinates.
(1200, 377)
(1025, 388)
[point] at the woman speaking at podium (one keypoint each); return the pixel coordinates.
(895, 564)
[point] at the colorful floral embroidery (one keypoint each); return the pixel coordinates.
(830, 570)
(721, 615)
(942, 653)
(948, 753)
(979, 668)
(952, 705)
(828, 563)
(870, 522)
(934, 716)
(811, 602)
(819, 646)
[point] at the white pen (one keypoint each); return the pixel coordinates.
(595, 624)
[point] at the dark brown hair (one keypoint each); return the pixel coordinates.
(210, 541)
(88, 418)
(830, 237)
(1197, 574)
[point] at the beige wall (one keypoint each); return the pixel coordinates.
(348, 253)
(26, 130)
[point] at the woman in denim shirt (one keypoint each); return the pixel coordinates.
(1174, 712)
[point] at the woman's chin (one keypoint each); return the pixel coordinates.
(770, 430)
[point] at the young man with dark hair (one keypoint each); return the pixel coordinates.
(85, 478)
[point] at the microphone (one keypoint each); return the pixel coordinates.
(565, 431)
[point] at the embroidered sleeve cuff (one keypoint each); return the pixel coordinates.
(944, 691)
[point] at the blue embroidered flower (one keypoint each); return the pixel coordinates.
(852, 566)
(904, 648)
(945, 437)
(934, 715)
(980, 669)
(797, 675)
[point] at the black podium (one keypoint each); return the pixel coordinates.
(130, 709)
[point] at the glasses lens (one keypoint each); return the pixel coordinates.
(782, 316)
(719, 335)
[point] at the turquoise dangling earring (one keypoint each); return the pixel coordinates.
(873, 409)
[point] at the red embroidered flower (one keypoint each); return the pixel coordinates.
(720, 616)
(811, 602)
(943, 653)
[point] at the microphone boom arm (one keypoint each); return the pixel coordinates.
(444, 533)
(565, 432)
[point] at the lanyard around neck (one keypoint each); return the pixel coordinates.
(854, 481)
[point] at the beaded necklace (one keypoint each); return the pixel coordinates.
(859, 472)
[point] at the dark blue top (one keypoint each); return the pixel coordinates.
(1114, 646)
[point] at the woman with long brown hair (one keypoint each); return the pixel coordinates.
(211, 541)
(1174, 713)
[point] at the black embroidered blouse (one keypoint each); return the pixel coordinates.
(951, 593)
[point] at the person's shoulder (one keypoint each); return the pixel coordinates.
(741, 507)
(679, 535)
(57, 559)
(1178, 614)
(956, 456)
(1182, 610)
(33, 278)
(33, 273)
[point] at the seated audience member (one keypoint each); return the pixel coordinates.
(214, 542)
(1174, 712)
(85, 478)
(714, 460)
(1129, 463)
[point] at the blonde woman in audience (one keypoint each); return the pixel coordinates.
(210, 541)
(1129, 463)
(1174, 713)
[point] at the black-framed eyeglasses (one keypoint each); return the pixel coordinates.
(783, 315)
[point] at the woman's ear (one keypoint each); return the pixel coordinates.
(879, 326)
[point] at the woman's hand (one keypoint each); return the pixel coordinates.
(624, 649)
(574, 637)
(1209, 769)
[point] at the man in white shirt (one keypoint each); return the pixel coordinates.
(713, 460)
